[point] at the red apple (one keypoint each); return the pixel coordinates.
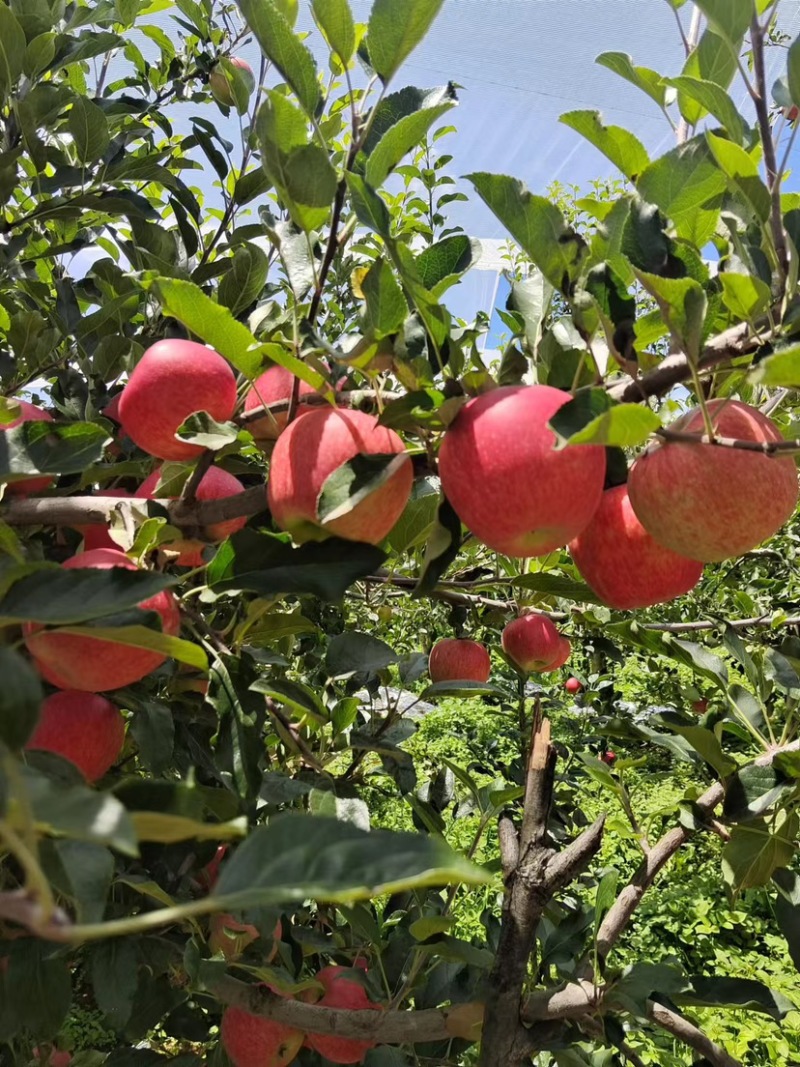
(209, 874)
(791, 113)
(84, 728)
(172, 380)
(572, 685)
(341, 992)
(18, 484)
(457, 660)
(216, 484)
(623, 564)
(274, 385)
(507, 483)
(71, 661)
(609, 757)
(313, 447)
(253, 1041)
(532, 643)
(710, 503)
(219, 85)
(700, 706)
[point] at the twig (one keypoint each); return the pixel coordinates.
(202, 467)
(690, 1035)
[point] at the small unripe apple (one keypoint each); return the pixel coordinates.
(20, 485)
(220, 86)
(341, 992)
(385, 613)
(274, 385)
(253, 1041)
(505, 480)
(710, 503)
(459, 660)
(533, 644)
(71, 661)
(173, 379)
(84, 728)
(312, 448)
(623, 564)
(609, 757)
(216, 484)
(573, 685)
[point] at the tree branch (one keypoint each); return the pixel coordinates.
(690, 1035)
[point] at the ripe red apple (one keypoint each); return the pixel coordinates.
(506, 482)
(96, 535)
(172, 380)
(231, 937)
(711, 503)
(252, 1041)
(312, 448)
(216, 484)
(457, 660)
(19, 485)
(209, 875)
(220, 87)
(609, 757)
(791, 113)
(623, 564)
(573, 685)
(274, 385)
(84, 728)
(700, 706)
(533, 643)
(341, 992)
(70, 661)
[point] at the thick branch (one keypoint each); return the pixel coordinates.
(690, 1035)
(768, 448)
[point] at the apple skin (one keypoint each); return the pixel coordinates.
(84, 728)
(275, 384)
(20, 485)
(506, 482)
(533, 644)
(216, 484)
(623, 564)
(173, 379)
(609, 757)
(573, 685)
(253, 1041)
(218, 83)
(70, 661)
(711, 503)
(459, 660)
(313, 447)
(700, 707)
(341, 992)
(791, 113)
(231, 937)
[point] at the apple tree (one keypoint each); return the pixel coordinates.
(253, 466)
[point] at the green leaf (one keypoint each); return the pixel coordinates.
(38, 986)
(621, 426)
(730, 18)
(703, 741)
(281, 45)
(300, 698)
(442, 548)
(755, 851)
(335, 19)
(781, 369)
(50, 448)
(200, 429)
(744, 993)
(216, 326)
(153, 730)
(244, 282)
(21, 696)
(754, 790)
(683, 304)
(297, 857)
(625, 151)
(688, 186)
(536, 225)
(371, 211)
(352, 652)
(787, 911)
(417, 518)
(88, 869)
(394, 31)
(167, 829)
(387, 307)
(692, 655)
(39, 54)
(745, 295)
(114, 968)
(78, 812)
(54, 596)
(549, 583)
(649, 81)
(712, 98)
(268, 564)
(406, 132)
(12, 49)
(792, 70)
(351, 483)
(463, 689)
(88, 126)
(143, 637)
(308, 185)
(443, 262)
(532, 298)
(742, 170)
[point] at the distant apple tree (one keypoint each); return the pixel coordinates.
(254, 470)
